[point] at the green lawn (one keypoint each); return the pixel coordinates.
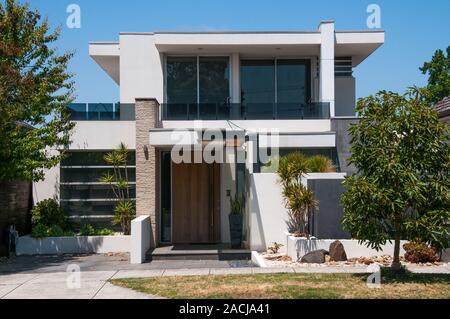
(287, 286)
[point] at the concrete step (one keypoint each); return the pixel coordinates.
(198, 252)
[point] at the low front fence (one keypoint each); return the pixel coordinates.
(73, 245)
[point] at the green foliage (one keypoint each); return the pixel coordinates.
(420, 253)
(43, 231)
(299, 200)
(310, 164)
(237, 204)
(292, 167)
(275, 248)
(124, 212)
(320, 164)
(49, 220)
(35, 91)
(402, 153)
(438, 70)
(48, 213)
(89, 230)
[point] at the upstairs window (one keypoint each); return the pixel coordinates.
(275, 81)
(275, 88)
(193, 80)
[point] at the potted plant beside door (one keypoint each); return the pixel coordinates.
(236, 220)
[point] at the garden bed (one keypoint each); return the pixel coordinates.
(73, 245)
(296, 247)
(282, 261)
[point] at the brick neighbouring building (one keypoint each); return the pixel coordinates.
(443, 109)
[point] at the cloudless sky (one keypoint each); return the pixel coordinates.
(414, 30)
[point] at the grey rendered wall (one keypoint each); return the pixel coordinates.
(326, 223)
(341, 126)
(345, 96)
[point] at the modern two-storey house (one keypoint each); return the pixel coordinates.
(191, 90)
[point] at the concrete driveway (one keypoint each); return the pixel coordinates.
(51, 277)
(63, 285)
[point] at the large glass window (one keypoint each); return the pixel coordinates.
(284, 82)
(292, 81)
(210, 84)
(181, 80)
(214, 79)
(258, 88)
(257, 81)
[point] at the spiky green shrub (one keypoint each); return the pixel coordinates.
(320, 164)
(124, 212)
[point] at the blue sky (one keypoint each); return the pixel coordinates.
(414, 30)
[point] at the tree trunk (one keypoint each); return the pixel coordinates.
(396, 265)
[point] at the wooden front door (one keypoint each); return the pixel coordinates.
(195, 203)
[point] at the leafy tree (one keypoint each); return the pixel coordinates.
(35, 91)
(439, 76)
(402, 190)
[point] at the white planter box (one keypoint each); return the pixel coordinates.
(297, 247)
(73, 245)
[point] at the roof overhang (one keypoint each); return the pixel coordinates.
(358, 44)
(107, 56)
(251, 44)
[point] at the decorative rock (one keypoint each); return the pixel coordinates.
(337, 251)
(315, 257)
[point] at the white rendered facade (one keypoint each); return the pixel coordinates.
(138, 64)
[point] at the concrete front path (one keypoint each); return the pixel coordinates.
(103, 262)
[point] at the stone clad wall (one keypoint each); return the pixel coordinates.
(147, 117)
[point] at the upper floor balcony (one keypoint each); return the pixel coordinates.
(204, 111)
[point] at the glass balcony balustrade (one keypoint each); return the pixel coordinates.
(101, 112)
(245, 111)
(204, 111)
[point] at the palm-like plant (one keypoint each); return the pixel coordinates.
(292, 167)
(118, 180)
(298, 199)
(124, 212)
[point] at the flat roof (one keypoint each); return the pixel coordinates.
(247, 32)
